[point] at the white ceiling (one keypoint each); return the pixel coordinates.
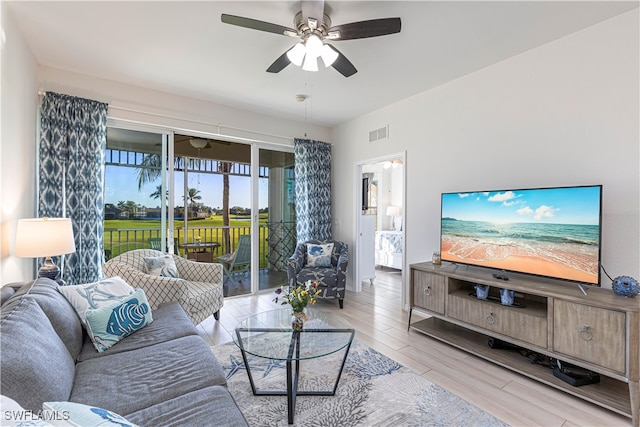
(183, 47)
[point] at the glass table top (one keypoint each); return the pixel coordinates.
(269, 334)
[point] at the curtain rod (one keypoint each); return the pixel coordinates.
(42, 93)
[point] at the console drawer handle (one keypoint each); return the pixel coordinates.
(490, 318)
(427, 290)
(586, 333)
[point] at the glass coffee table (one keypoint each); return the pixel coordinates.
(269, 335)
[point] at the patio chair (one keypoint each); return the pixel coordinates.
(331, 279)
(238, 263)
(198, 287)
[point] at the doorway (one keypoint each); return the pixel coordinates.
(380, 214)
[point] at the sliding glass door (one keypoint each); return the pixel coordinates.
(136, 212)
(277, 220)
(204, 199)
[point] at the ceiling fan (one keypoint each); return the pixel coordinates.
(314, 28)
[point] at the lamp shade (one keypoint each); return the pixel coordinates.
(44, 237)
(310, 63)
(329, 55)
(393, 211)
(313, 46)
(296, 54)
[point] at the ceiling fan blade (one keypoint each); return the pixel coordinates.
(279, 64)
(313, 9)
(342, 64)
(365, 29)
(254, 24)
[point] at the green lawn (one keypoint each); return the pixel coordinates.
(212, 221)
(121, 235)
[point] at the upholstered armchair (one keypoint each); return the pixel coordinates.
(331, 279)
(198, 287)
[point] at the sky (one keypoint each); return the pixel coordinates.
(121, 184)
(569, 205)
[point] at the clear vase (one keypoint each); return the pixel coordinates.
(297, 320)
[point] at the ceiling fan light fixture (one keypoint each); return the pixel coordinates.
(329, 55)
(310, 63)
(198, 143)
(296, 54)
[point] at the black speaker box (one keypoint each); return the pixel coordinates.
(576, 377)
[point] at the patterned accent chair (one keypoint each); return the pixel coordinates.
(198, 288)
(331, 280)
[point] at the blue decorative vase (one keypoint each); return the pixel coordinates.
(482, 291)
(506, 296)
(625, 286)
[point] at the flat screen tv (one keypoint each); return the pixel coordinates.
(551, 232)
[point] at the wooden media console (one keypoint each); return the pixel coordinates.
(599, 331)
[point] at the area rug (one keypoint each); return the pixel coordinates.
(373, 391)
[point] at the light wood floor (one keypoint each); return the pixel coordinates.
(380, 322)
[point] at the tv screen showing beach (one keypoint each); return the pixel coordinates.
(553, 232)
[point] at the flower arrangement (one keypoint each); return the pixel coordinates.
(300, 296)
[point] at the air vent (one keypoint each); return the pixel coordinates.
(378, 134)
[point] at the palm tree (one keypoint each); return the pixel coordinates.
(156, 194)
(149, 170)
(225, 167)
(194, 195)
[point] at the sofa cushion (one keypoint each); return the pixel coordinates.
(6, 292)
(208, 406)
(76, 414)
(132, 380)
(36, 365)
(60, 313)
(110, 324)
(163, 265)
(169, 322)
(319, 255)
(95, 295)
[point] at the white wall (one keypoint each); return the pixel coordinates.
(17, 145)
(565, 113)
(139, 105)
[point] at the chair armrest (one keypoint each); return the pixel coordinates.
(343, 261)
(209, 272)
(296, 261)
(158, 289)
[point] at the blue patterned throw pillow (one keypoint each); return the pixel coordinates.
(319, 255)
(77, 414)
(161, 266)
(108, 325)
(95, 295)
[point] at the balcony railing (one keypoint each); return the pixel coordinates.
(276, 240)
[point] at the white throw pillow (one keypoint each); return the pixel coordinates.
(95, 295)
(319, 255)
(14, 415)
(79, 415)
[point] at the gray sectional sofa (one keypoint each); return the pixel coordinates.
(162, 375)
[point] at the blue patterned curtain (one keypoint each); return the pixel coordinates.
(71, 177)
(313, 189)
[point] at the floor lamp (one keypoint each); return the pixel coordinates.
(45, 237)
